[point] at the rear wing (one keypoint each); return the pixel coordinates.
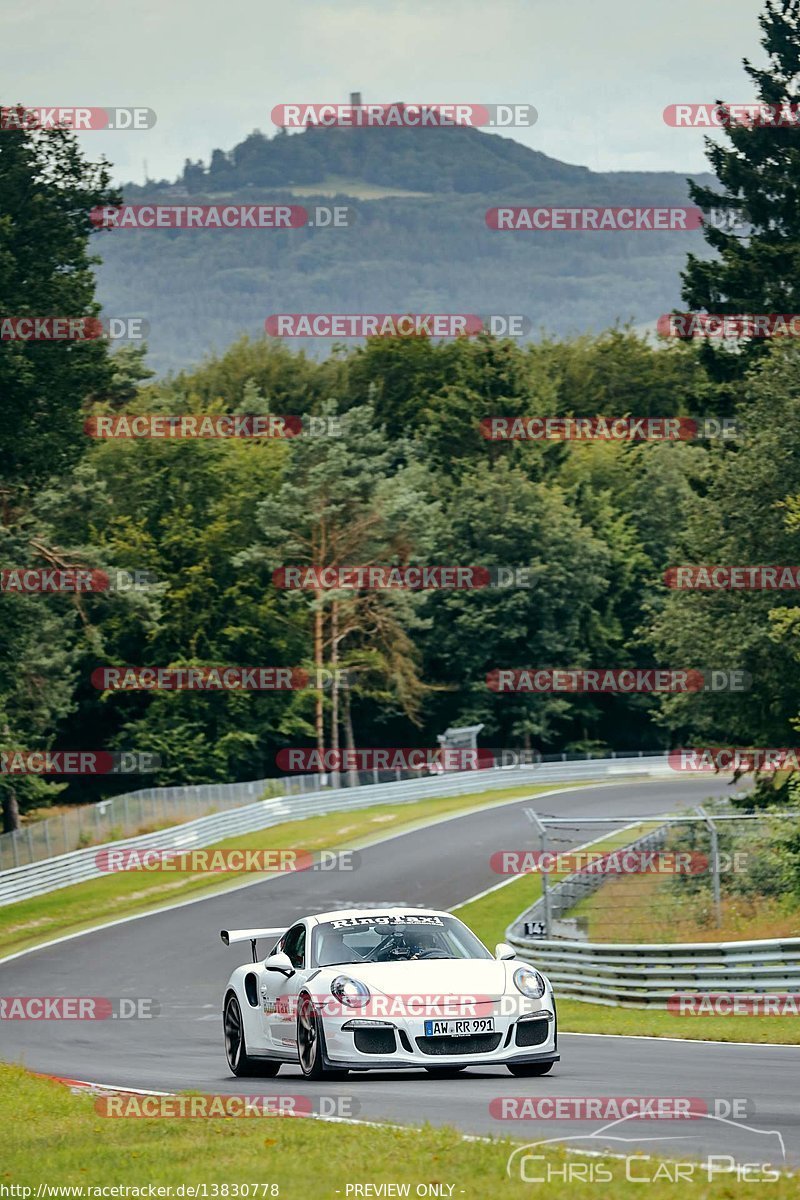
(229, 936)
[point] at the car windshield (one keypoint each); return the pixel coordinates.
(392, 939)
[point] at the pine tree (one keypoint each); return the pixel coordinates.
(47, 190)
(758, 265)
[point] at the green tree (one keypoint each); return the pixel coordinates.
(341, 502)
(497, 517)
(47, 190)
(738, 517)
(757, 269)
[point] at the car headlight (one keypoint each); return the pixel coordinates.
(351, 992)
(529, 982)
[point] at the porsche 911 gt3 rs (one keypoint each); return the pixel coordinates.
(377, 989)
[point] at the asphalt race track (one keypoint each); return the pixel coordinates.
(177, 958)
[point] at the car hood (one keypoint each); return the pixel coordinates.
(474, 977)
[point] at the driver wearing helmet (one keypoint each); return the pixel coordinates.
(414, 943)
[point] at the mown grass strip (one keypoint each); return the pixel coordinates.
(491, 915)
(122, 894)
(56, 1138)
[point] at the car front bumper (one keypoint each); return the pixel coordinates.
(401, 1043)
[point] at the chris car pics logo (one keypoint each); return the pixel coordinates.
(619, 1152)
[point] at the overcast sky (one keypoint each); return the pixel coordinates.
(600, 72)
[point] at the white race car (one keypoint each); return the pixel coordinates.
(371, 989)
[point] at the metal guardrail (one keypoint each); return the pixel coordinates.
(132, 812)
(139, 812)
(36, 878)
(646, 975)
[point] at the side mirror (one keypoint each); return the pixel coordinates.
(279, 962)
(503, 950)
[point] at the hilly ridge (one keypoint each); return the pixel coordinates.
(437, 160)
(202, 289)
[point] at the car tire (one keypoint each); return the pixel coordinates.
(239, 1061)
(310, 1040)
(523, 1069)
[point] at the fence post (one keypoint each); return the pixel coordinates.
(533, 816)
(712, 829)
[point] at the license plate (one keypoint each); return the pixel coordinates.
(457, 1027)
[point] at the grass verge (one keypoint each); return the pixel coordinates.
(30, 922)
(577, 1017)
(491, 915)
(58, 1139)
(647, 908)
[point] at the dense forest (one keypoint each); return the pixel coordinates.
(402, 476)
(418, 240)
